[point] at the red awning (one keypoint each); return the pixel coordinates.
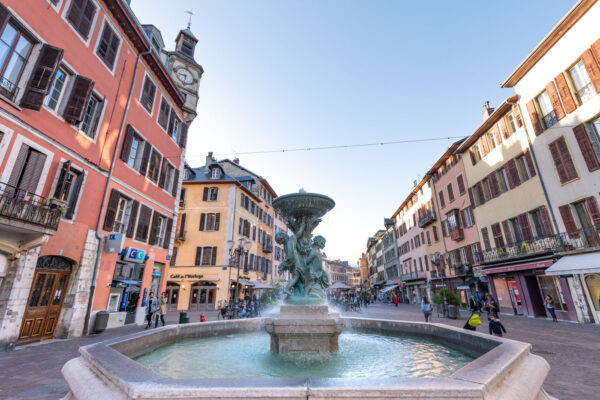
(517, 267)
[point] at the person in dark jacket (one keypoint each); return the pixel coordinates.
(496, 327)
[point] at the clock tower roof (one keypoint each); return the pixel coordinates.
(185, 43)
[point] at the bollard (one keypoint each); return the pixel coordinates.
(183, 318)
(202, 318)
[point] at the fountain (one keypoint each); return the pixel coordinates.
(313, 354)
(305, 324)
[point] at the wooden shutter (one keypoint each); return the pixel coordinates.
(565, 93)
(205, 194)
(592, 68)
(569, 221)
(594, 212)
(518, 117)
(513, 174)
(524, 226)
(175, 187)
(472, 214)
(62, 180)
(555, 100)
(461, 184)
(562, 160)
(503, 128)
(497, 234)
(545, 221)
(585, 145)
(143, 223)
(483, 145)
(596, 49)
(480, 195)
(148, 94)
(486, 238)
(529, 161)
(168, 233)
(108, 46)
(183, 135)
(156, 167)
(471, 197)
(163, 173)
(154, 228)
(127, 142)
(198, 256)
(217, 221)
(111, 210)
(32, 171)
(4, 16)
(213, 260)
(17, 168)
(78, 99)
(472, 154)
(42, 77)
(497, 134)
(493, 180)
(534, 117)
(558, 163)
(173, 260)
(507, 234)
(132, 218)
(202, 221)
(145, 158)
(182, 226)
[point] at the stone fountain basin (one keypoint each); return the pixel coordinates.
(504, 369)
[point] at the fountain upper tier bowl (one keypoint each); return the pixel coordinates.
(303, 204)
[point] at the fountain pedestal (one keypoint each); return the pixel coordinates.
(304, 329)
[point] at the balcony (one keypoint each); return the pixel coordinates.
(427, 219)
(463, 269)
(8, 89)
(586, 92)
(582, 239)
(549, 119)
(457, 234)
(21, 207)
(414, 275)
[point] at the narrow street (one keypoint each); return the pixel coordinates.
(33, 372)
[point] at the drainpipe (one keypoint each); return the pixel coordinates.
(515, 103)
(99, 234)
(439, 213)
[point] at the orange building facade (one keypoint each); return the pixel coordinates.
(93, 127)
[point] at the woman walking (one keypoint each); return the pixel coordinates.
(161, 309)
(491, 306)
(550, 306)
(426, 308)
(150, 309)
(395, 300)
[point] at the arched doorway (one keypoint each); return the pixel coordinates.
(46, 297)
(202, 296)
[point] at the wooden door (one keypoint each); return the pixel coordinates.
(173, 297)
(43, 305)
(194, 297)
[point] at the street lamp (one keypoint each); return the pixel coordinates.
(239, 252)
(436, 259)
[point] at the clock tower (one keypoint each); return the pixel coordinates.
(185, 71)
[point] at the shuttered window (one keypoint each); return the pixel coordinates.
(68, 187)
(108, 46)
(210, 194)
(206, 255)
(461, 184)
(143, 225)
(587, 139)
(441, 197)
(486, 238)
(15, 47)
(210, 221)
(81, 16)
(78, 103)
(57, 89)
(91, 117)
(562, 160)
(163, 113)
(27, 169)
(450, 193)
(154, 166)
(148, 94)
(42, 77)
(581, 82)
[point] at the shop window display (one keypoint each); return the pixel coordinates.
(550, 286)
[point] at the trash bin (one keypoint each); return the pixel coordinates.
(452, 311)
(183, 317)
(101, 321)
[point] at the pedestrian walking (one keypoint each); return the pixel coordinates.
(491, 306)
(473, 322)
(161, 309)
(550, 306)
(150, 309)
(496, 327)
(478, 300)
(426, 308)
(473, 304)
(395, 300)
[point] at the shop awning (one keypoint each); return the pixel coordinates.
(262, 285)
(517, 267)
(379, 283)
(340, 285)
(388, 288)
(578, 264)
(244, 282)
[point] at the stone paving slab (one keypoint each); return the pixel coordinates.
(33, 371)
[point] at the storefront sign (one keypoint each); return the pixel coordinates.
(154, 273)
(134, 255)
(185, 276)
(114, 243)
(245, 277)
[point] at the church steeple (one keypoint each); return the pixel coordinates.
(185, 43)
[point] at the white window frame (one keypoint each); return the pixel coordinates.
(106, 21)
(156, 91)
(161, 231)
(69, 76)
(169, 177)
(77, 127)
(210, 190)
(543, 101)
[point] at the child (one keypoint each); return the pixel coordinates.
(496, 326)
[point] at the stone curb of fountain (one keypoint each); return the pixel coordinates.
(506, 366)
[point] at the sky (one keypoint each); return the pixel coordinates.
(282, 74)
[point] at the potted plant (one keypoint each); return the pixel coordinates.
(56, 204)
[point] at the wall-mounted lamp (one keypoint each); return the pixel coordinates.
(183, 287)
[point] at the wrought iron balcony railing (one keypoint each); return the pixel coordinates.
(549, 119)
(8, 88)
(586, 92)
(414, 275)
(426, 219)
(463, 269)
(19, 205)
(563, 242)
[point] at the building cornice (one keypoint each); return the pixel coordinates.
(549, 41)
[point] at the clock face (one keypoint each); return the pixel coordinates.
(185, 76)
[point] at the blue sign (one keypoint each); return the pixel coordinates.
(134, 255)
(156, 273)
(144, 298)
(124, 300)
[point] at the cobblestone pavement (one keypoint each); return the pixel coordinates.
(33, 371)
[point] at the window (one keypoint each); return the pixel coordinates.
(148, 94)
(545, 106)
(68, 187)
(161, 230)
(187, 48)
(108, 46)
(454, 222)
(210, 194)
(216, 173)
(163, 113)
(89, 124)
(15, 48)
(562, 160)
(497, 233)
(81, 15)
(154, 166)
(491, 140)
(174, 126)
(167, 177)
(468, 217)
(485, 186)
(502, 180)
(523, 169)
(56, 91)
(511, 124)
(210, 221)
(442, 203)
(206, 255)
(135, 155)
(461, 184)
(27, 169)
(581, 81)
(435, 233)
(450, 193)
(182, 197)
(122, 215)
(589, 143)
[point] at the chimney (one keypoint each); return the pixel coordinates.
(209, 160)
(236, 160)
(487, 110)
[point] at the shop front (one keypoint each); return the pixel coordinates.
(520, 289)
(416, 290)
(125, 289)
